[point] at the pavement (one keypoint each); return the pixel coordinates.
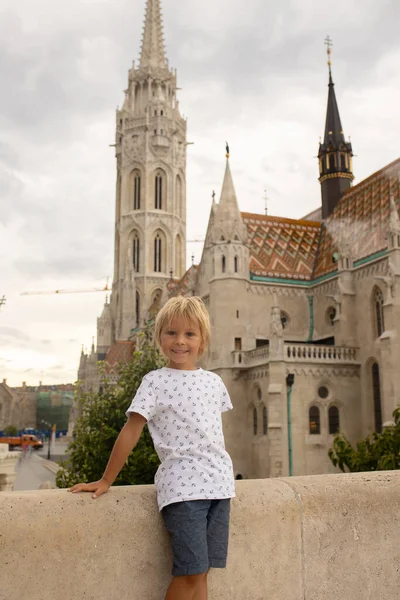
(33, 471)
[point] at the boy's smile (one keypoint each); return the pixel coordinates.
(180, 343)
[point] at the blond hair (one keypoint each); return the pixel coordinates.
(191, 309)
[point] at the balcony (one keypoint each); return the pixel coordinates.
(299, 353)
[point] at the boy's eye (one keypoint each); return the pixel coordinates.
(190, 333)
(170, 332)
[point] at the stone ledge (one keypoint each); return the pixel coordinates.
(302, 538)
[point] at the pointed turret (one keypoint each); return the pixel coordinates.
(335, 154)
(152, 54)
(228, 218)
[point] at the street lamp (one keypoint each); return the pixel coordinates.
(46, 424)
(289, 384)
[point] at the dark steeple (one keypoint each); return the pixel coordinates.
(335, 154)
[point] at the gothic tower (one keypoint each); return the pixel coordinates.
(150, 214)
(334, 155)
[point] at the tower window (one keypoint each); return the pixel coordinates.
(378, 306)
(137, 308)
(343, 162)
(136, 253)
(255, 421)
(157, 254)
(158, 199)
(162, 113)
(331, 159)
(238, 344)
(236, 264)
(376, 390)
(314, 421)
(265, 421)
(136, 191)
(223, 264)
(333, 417)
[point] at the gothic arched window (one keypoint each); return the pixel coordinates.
(236, 260)
(178, 256)
(314, 421)
(334, 421)
(255, 421)
(376, 391)
(158, 191)
(158, 254)
(223, 264)
(265, 421)
(136, 190)
(136, 253)
(178, 197)
(331, 161)
(137, 307)
(378, 309)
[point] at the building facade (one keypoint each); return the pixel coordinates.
(305, 313)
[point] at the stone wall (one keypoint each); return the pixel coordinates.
(305, 538)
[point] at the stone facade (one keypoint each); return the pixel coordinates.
(315, 300)
(17, 406)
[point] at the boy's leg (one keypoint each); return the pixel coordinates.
(188, 587)
(202, 589)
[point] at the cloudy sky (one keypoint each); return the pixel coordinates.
(251, 72)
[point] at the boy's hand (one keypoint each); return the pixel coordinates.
(98, 487)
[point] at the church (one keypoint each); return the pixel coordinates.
(305, 313)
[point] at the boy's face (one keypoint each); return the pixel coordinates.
(180, 343)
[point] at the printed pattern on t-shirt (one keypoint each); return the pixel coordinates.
(183, 411)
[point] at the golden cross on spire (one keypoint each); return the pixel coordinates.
(329, 44)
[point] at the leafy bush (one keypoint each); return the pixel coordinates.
(378, 452)
(101, 418)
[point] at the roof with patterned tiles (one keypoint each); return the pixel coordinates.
(119, 352)
(280, 247)
(180, 287)
(359, 223)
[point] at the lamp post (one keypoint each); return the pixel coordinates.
(289, 384)
(46, 424)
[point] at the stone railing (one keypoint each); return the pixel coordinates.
(8, 463)
(320, 354)
(311, 538)
(251, 358)
(296, 353)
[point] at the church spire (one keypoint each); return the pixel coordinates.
(152, 54)
(335, 154)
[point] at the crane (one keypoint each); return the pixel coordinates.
(83, 291)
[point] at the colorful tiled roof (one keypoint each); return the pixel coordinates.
(180, 287)
(119, 352)
(280, 247)
(359, 223)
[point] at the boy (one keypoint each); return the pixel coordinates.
(182, 406)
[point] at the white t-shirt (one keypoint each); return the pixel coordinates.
(183, 412)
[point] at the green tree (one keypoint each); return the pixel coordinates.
(102, 416)
(378, 452)
(10, 431)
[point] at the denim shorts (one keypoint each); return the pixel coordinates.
(199, 531)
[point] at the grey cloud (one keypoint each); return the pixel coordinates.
(10, 332)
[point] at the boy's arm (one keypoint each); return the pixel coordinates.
(126, 441)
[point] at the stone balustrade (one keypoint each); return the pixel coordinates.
(294, 352)
(251, 358)
(326, 537)
(8, 463)
(320, 354)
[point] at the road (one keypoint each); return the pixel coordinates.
(31, 473)
(57, 452)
